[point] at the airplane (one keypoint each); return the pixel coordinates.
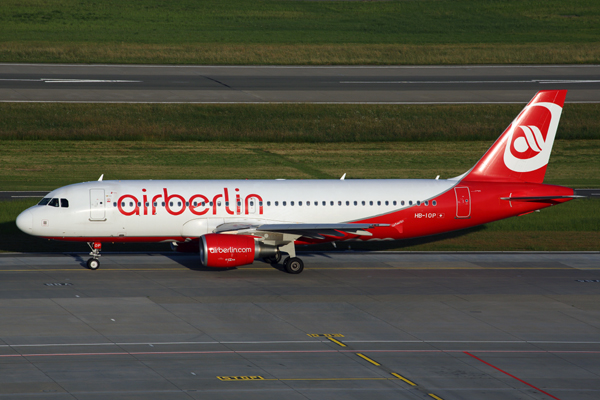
(234, 222)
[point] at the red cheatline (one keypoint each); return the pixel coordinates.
(512, 376)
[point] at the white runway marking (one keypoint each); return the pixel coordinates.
(52, 80)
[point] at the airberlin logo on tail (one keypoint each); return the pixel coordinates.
(526, 149)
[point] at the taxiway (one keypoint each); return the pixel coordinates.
(352, 325)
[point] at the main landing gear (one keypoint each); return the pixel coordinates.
(93, 263)
(292, 264)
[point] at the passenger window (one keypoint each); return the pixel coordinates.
(355, 203)
(44, 201)
(363, 203)
(292, 203)
(347, 203)
(299, 203)
(115, 204)
(371, 203)
(53, 203)
(308, 203)
(276, 203)
(283, 203)
(387, 203)
(210, 203)
(324, 203)
(426, 203)
(162, 204)
(260, 203)
(402, 202)
(378, 203)
(410, 202)
(195, 204)
(339, 203)
(418, 202)
(434, 203)
(395, 202)
(268, 203)
(331, 202)
(203, 204)
(139, 203)
(147, 204)
(64, 203)
(171, 203)
(219, 203)
(251, 203)
(131, 204)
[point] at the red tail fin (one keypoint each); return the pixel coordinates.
(522, 152)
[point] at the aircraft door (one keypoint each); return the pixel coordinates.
(97, 205)
(463, 202)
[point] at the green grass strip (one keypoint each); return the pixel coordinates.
(300, 54)
(283, 123)
(300, 32)
(48, 164)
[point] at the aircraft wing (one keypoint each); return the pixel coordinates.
(313, 231)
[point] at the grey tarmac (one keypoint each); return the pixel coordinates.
(385, 325)
(487, 84)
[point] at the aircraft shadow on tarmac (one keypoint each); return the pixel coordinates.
(12, 240)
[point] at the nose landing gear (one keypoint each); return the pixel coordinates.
(93, 263)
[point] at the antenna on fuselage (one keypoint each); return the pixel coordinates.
(100, 179)
(343, 177)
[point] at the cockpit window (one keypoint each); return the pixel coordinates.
(64, 203)
(53, 203)
(44, 201)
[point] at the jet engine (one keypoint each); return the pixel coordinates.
(226, 251)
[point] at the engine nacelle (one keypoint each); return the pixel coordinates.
(226, 251)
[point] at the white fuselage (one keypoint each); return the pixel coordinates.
(171, 209)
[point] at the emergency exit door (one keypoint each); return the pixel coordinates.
(97, 205)
(463, 202)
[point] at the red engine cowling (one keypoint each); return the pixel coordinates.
(226, 251)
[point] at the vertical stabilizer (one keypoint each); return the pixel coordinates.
(522, 152)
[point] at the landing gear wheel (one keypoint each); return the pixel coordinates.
(293, 265)
(93, 264)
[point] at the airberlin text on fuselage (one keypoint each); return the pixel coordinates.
(197, 204)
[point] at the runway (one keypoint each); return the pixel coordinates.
(283, 84)
(352, 325)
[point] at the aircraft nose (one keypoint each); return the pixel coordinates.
(25, 221)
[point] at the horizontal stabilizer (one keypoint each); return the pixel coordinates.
(541, 198)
